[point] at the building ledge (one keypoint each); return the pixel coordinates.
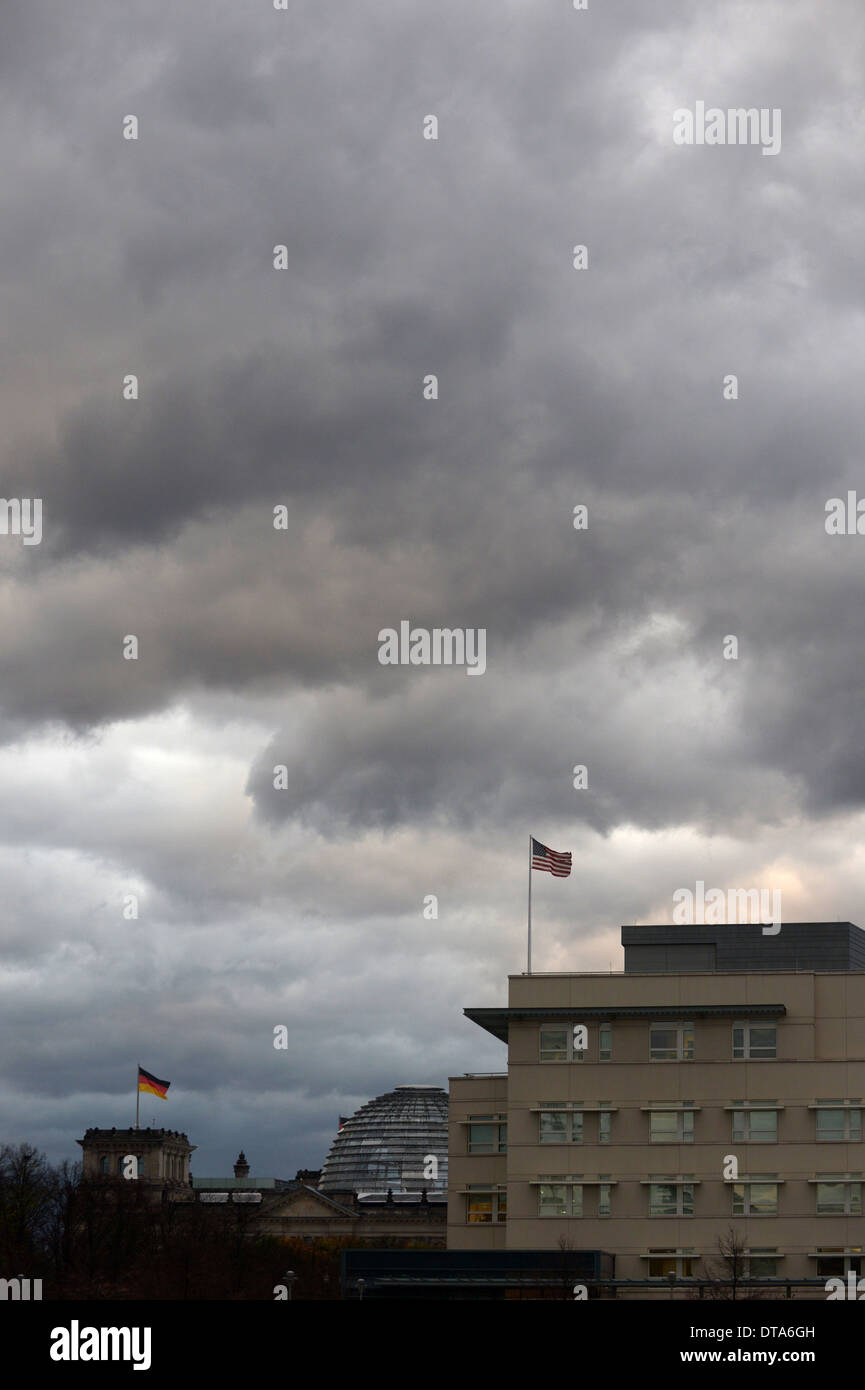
(497, 1021)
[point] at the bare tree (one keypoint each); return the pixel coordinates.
(569, 1268)
(728, 1272)
(26, 1189)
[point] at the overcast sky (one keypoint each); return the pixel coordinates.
(302, 387)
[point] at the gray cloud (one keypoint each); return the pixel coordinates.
(303, 388)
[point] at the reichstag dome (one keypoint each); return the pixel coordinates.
(384, 1146)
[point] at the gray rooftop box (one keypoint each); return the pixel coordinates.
(670, 949)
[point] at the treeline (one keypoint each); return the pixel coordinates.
(98, 1239)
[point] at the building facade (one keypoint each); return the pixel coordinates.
(385, 1177)
(300, 1208)
(650, 1114)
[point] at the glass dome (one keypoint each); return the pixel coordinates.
(388, 1142)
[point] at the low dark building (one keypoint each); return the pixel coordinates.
(488, 1275)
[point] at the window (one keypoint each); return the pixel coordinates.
(835, 1263)
(753, 1041)
(671, 1127)
(605, 1042)
(557, 1045)
(756, 1197)
(755, 1126)
(552, 1199)
(605, 1121)
(561, 1126)
(665, 1262)
(488, 1134)
(604, 1196)
(838, 1197)
(671, 1042)
(105, 1164)
(672, 1198)
(560, 1197)
(486, 1205)
(834, 1126)
(554, 1044)
(761, 1264)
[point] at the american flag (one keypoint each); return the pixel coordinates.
(547, 859)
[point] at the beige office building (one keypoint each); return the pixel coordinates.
(717, 1083)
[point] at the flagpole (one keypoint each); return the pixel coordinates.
(529, 962)
(137, 1098)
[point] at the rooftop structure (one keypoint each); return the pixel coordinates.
(731, 946)
(162, 1155)
(388, 1144)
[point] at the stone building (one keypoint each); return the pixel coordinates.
(717, 1084)
(161, 1156)
(384, 1178)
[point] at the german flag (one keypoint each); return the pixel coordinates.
(146, 1082)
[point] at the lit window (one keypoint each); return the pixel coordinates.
(671, 1042)
(755, 1041)
(486, 1205)
(663, 1263)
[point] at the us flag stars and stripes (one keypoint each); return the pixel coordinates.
(559, 865)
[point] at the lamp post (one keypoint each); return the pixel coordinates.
(360, 1287)
(289, 1277)
(671, 1279)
